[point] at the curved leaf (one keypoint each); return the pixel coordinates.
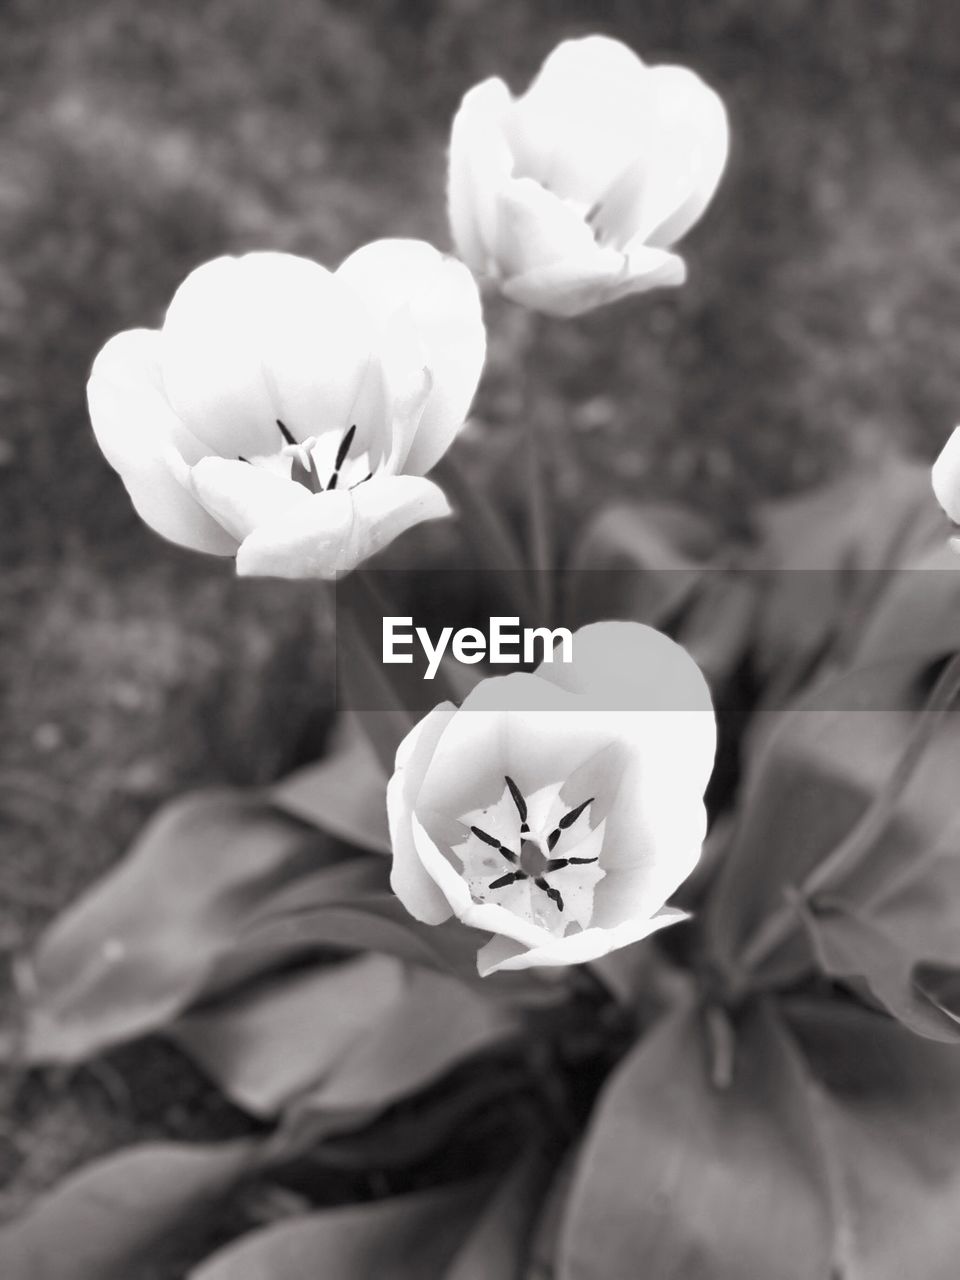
(889, 1105)
(809, 783)
(850, 945)
(435, 1024)
(343, 793)
(154, 934)
(640, 562)
(499, 1245)
(266, 1046)
(412, 1237)
(685, 1180)
(115, 1218)
(828, 557)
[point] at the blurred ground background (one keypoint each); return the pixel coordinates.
(819, 327)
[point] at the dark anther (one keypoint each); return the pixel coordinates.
(519, 801)
(553, 894)
(344, 449)
(285, 432)
(566, 821)
(510, 878)
(241, 458)
(341, 457)
(494, 844)
(557, 864)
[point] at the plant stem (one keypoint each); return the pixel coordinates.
(539, 528)
(778, 926)
(489, 537)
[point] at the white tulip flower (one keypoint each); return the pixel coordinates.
(572, 195)
(946, 479)
(559, 810)
(286, 414)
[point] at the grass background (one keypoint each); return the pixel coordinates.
(818, 329)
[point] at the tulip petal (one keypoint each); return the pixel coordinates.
(140, 435)
(570, 287)
(535, 229)
(241, 496)
(516, 725)
(480, 163)
(332, 533)
(658, 705)
(268, 336)
(409, 880)
(945, 477)
(577, 126)
(436, 298)
(692, 144)
(576, 948)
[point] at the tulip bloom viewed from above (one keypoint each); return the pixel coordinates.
(572, 194)
(286, 414)
(558, 811)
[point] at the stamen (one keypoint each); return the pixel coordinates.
(344, 449)
(494, 844)
(341, 457)
(510, 878)
(553, 894)
(519, 801)
(241, 458)
(285, 432)
(566, 821)
(557, 864)
(368, 476)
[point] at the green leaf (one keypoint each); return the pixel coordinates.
(344, 793)
(164, 926)
(379, 922)
(434, 1024)
(685, 1180)
(640, 562)
(114, 1219)
(499, 1245)
(266, 1046)
(918, 615)
(826, 556)
(409, 1238)
(888, 1116)
(850, 945)
(809, 782)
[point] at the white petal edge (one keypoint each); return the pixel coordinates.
(578, 948)
(335, 532)
(141, 436)
(480, 163)
(409, 880)
(945, 477)
(412, 280)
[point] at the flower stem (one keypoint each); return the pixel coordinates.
(489, 537)
(778, 926)
(539, 527)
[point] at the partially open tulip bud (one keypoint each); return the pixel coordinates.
(572, 194)
(558, 811)
(286, 414)
(946, 478)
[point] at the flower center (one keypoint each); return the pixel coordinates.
(526, 858)
(303, 460)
